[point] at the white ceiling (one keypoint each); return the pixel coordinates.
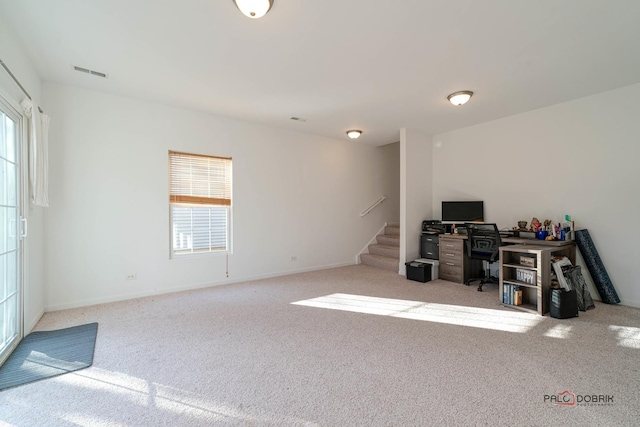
(373, 65)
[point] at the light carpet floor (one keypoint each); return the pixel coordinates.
(351, 346)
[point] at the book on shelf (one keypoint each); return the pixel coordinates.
(517, 297)
(511, 294)
(561, 266)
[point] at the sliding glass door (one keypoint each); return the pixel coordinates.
(11, 228)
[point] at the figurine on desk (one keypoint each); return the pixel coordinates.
(535, 225)
(540, 231)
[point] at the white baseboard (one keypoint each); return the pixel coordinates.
(30, 324)
(630, 303)
(193, 286)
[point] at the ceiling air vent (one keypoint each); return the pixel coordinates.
(88, 71)
(298, 119)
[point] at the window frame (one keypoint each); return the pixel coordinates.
(173, 254)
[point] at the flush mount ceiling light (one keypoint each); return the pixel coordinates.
(459, 98)
(254, 8)
(354, 133)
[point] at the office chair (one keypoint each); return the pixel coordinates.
(483, 243)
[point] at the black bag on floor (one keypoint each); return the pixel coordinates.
(576, 281)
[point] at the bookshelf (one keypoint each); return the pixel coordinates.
(527, 268)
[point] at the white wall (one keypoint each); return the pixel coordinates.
(12, 53)
(293, 195)
(390, 174)
(416, 188)
(578, 158)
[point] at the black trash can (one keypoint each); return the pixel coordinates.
(564, 304)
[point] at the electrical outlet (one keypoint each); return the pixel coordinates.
(294, 258)
(132, 276)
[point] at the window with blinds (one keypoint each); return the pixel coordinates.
(200, 203)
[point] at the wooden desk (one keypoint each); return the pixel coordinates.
(521, 241)
(456, 266)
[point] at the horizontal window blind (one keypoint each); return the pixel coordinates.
(199, 180)
(200, 202)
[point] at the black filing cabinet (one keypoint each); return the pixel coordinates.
(429, 246)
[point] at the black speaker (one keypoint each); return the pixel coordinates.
(564, 304)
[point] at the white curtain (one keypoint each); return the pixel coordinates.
(38, 153)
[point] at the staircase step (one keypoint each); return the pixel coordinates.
(384, 250)
(379, 261)
(392, 230)
(386, 240)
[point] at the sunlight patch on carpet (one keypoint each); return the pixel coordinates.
(86, 420)
(559, 331)
(627, 336)
(475, 317)
(194, 408)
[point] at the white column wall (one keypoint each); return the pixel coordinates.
(416, 187)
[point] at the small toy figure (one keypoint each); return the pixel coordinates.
(535, 224)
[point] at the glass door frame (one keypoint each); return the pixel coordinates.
(12, 110)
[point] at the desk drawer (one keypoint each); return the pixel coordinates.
(451, 258)
(452, 245)
(431, 238)
(452, 273)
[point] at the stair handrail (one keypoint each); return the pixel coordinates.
(372, 207)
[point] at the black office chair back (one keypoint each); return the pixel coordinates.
(483, 241)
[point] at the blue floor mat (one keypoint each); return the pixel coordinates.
(47, 354)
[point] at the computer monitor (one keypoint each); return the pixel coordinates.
(462, 211)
